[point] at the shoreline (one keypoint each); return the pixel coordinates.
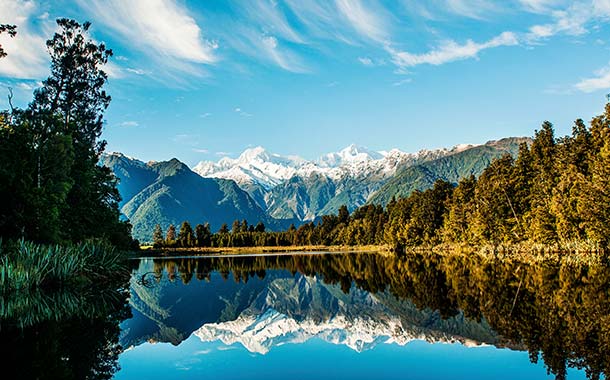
(520, 252)
(253, 251)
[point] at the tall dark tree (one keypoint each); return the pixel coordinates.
(186, 236)
(63, 194)
(203, 235)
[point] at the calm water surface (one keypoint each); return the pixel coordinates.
(356, 316)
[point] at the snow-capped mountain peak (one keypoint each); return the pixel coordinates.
(348, 155)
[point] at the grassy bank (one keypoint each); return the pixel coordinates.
(26, 266)
(577, 252)
(147, 250)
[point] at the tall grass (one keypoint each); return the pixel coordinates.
(25, 265)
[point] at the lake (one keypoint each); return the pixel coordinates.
(327, 316)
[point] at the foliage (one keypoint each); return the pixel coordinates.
(52, 187)
(26, 266)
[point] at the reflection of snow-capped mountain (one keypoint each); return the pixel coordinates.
(296, 311)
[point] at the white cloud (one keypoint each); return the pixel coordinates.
(129, 124)
(366, 61)
(451, 51)
(198, 150)
(163, 29)
(402, 81)
(601, 81)
(472, 8)
(138, 71)
(27, 56)
(366, 21)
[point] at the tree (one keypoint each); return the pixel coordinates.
(224, 229)
(235, 228)
(260, 227)
(11, 30)
(158, 236)
(186, 237)
(63, 194)
(170, 236)
(204, 235)
(343, 214)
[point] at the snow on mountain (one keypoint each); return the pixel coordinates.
(258, 166)
(254, 165)
(350, 155)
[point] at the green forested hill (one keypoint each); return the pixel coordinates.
(169, 192)
(450, 168)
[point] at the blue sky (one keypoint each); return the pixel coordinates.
(198, 80)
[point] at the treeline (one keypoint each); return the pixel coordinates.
(52, 187)
(556, 192)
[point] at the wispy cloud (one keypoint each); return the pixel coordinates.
(402, 82)
(476, 9)
(366, 21)
(450, 51)
(129, 124)
(161, 29)
(199, 150)
(241, 112)
(600, 81)
(27, 56)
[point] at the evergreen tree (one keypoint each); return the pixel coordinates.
(204, 235)
(543, 152)
(158, 235)
(260, 227)
(170, 236)
(236, 227)
(186, 236)
(224, 229)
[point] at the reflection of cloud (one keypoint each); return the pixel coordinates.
(202, 352)
(226, 348)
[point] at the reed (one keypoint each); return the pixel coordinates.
(25, 265)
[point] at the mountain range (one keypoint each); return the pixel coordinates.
(280, 190)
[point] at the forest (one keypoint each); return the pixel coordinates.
(59, 215)
(555, 193)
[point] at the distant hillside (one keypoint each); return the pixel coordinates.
(450, 168)
(169, 193)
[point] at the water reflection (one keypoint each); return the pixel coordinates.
(64, 334)
(559, 313)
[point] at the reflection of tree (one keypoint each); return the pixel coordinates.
(63, 335)
(560, 312)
